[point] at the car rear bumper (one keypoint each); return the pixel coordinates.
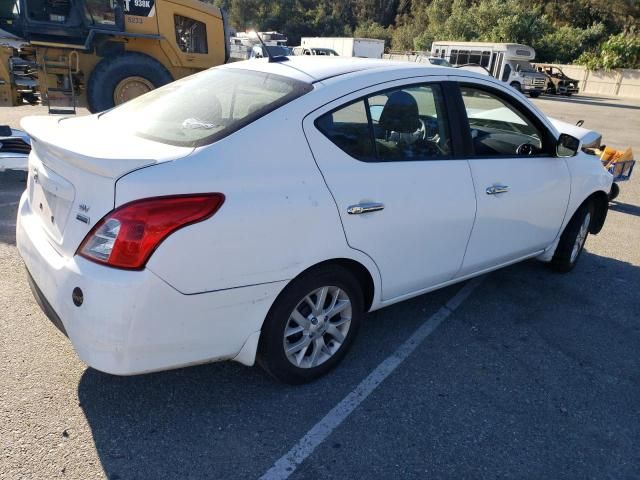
(13, 162)
(133, 322)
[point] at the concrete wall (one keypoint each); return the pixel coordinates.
(615, 83)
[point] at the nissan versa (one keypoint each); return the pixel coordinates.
(257, 210)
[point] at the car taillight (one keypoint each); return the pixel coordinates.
(127, 236)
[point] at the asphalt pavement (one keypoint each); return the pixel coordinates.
(534, 375)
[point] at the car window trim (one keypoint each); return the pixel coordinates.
(548, 140)
(454, 117)
(372, 133)
(455, 146)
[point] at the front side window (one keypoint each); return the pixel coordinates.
(497, 127)
(394, 125)
(205, 107)
(191, 35)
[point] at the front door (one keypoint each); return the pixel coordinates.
(386, 156)
(522, 189)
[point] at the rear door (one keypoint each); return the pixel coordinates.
(522, 188)
(387, 155)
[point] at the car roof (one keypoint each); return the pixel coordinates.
(317, 68)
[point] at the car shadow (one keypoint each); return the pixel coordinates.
(625, 208)
(593, 101)
(227, 421)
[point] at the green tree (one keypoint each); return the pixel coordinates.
(374, 30)
(619, 51)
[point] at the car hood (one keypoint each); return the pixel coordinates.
(588, 138)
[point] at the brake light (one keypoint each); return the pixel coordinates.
(127, 236)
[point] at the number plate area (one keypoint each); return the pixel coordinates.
(51, 198)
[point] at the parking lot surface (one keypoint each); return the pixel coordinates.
(533, 375)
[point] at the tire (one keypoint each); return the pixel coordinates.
(271, 349)
(534, 94)
(615, 191)
(516, 85)
(573, 239)
(111, 71)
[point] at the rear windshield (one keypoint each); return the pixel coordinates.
(205, 107)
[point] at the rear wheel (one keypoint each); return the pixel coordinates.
(516, 85)
(118, 79)
(573, 239)
(311, 325)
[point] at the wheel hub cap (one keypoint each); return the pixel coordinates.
(317, 327)
(131, 87)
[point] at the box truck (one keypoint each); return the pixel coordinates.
(347, 47)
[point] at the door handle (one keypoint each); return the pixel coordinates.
(495, 189)
(364, 208)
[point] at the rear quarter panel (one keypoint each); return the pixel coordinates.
(278, 218)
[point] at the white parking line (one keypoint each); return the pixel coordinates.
(287, 464)
(9, 204)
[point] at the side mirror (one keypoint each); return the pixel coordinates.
(567, 146)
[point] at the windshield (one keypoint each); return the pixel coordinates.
(205, 107)
(325, 51)
(277, 50)
(439, 61)
(524, 65)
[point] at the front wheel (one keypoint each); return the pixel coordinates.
(311, 325)
(517, 86)
(534, 94)
(573, 239)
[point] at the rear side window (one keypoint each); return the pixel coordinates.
(401, 124)
(205, 107)
(348, 128)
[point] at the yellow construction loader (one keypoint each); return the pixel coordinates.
(100, 53)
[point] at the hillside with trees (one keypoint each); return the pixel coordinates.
(599, 33)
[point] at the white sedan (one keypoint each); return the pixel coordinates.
(257, 210)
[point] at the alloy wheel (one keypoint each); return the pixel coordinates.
(581, 238)
(317, 327)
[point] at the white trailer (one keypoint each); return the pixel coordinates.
(347, 47)
(508, 62)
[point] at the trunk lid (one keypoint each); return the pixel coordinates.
(73, 169)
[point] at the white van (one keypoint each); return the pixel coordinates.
(508, 62)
